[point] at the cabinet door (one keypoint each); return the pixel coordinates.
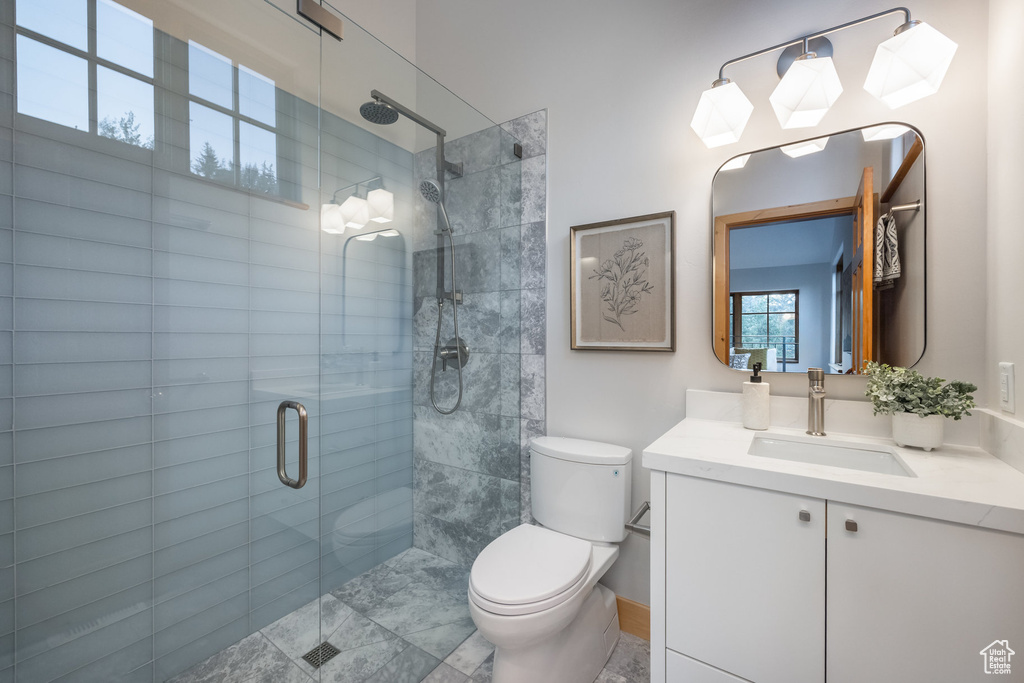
(745, 580)
(916, 600)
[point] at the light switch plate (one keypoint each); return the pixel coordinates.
(1006, 398)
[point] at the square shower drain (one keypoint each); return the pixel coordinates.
(321, 654)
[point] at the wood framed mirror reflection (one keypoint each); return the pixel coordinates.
(819, 253)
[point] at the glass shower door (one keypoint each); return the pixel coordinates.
(162, 263)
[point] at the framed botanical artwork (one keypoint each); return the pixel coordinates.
(622, 284)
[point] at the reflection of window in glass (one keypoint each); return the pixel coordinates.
(233, 119)
(103, 86)
(766, 320)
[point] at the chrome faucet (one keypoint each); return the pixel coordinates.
(816, 402)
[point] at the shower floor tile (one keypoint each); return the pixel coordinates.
(404, 621)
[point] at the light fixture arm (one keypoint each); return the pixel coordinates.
(355, 186)
(810, 36)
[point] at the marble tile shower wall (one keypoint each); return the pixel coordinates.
(160, 320)
(471, 468)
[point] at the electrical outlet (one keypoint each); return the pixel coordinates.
(1006, 398)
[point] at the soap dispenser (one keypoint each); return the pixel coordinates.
(755, 401)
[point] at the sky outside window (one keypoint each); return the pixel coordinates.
(62, 20)
(209, 75)
(124, 37)
(212, 129)
(124, 107)
(52, 84)
(256, 98)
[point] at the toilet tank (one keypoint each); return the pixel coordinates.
(581, 488)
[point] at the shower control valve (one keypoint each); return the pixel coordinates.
(450, 353)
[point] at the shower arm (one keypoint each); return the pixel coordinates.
(408, 113)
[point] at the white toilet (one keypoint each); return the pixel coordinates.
(533, 590)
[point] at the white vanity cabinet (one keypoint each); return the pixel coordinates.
(914, 599)
(772, 587)
(745, 581)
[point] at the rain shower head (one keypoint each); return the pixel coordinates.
(379, 112)
(430, 190)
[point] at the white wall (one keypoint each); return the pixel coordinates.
(1006, 178)
(620, 81)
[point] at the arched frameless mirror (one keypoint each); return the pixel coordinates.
(819, 253)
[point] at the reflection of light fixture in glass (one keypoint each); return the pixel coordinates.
(735, 163)
(369, 237)
(331, 220)
(910, 65)
(807, 91)
(886, 131)
(722, 114)
(382, 205)
(355, 212)
(804, 148)
(906, 67)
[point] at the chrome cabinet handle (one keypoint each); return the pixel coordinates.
(282, 473)
(851, 525)
(805, 516)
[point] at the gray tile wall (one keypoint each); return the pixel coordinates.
(472, 468)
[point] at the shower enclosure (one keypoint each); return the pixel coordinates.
(183, 320)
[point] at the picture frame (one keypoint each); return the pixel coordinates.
(622, 284)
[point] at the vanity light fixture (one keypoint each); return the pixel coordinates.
(906, 67)
(722, 114)
(802, 149)
(806, 92)
(910, 65)
(356, 211)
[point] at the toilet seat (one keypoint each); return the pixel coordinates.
(529, 569)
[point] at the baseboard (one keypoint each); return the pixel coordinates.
(634, 618)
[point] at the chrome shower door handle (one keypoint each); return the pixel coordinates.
(282, 473)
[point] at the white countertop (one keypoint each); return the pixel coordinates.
(954, 483)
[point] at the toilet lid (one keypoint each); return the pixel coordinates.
(529, 564)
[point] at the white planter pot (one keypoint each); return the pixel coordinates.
(910, 429)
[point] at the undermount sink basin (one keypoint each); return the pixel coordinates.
(822, 451)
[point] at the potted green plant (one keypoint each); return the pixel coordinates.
(917, 403)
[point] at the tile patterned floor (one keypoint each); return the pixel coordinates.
(404, 621)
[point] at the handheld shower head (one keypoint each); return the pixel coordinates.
(379, 112)
(430, 190)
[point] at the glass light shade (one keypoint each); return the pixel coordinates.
(722, 114)
(355, 212)
(331, 220)
(735, 163)
(382, 205)
(887, 131)
(806, 92)
(367, 238)
(389, 233)
(910, 65)
(804, 148)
